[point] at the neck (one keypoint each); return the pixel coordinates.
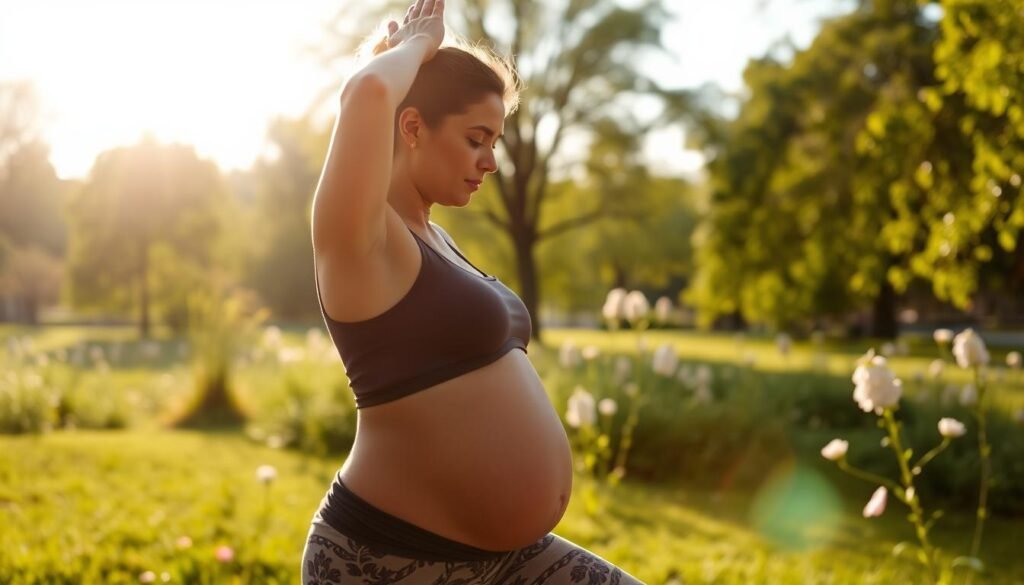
(405, 199)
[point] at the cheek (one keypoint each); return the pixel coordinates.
(453, 160)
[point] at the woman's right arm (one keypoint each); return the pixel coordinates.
(350, 202)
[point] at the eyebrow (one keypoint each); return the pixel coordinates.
(486, 130)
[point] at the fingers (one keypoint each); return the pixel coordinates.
(417, 9)
(408, 14)
(392, 27)
(438, 7)
(428, 8)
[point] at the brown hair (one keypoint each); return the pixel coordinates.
(459, 74)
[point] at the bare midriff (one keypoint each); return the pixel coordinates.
(481, 459)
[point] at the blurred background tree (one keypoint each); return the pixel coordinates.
(855, 168)
(31, 228)
(145, 228)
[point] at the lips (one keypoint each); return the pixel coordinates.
(474, 184)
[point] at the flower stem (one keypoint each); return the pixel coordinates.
(985, 451)
(916, 514)
(931, 454)
(866, 475)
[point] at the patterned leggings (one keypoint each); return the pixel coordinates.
(332, 558)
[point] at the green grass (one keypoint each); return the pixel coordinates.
(104, 506)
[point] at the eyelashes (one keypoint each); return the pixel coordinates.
(476, 144)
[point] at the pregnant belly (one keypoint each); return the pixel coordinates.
(482, 459)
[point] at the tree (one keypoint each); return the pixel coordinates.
(279, 262)
(145, 210)
(848, 173)
(578, 62)
(31, 196)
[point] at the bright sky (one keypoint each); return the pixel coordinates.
(213, 72)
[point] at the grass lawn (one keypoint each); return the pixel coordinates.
(107, 506)
(103, 507)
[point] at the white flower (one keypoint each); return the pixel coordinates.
(888, 349)
(623, 367)
(951, 428)
(271, 337)
(581, 408)
(315, 340)
(969, 349)
(183, 542)
(665, 360)
(569, 355)
(631, 389)
(876, 505)
(835, 450)
(290, 355)
(147, 577)
(266, 473)
(614, 305)
(1013, 360)
(942, 336)
(685, 375)
(637, 306)
(784, 343)
(910, 493)
(607, 406)
(876, 387)
(935, 368)
(703, 375)
(969, 395)
(590, 352)
(663, 310)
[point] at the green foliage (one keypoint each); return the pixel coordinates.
(885, 152)
(278, 264)
(952, 478)
(306, 412)
(136, 200)
(221, 322)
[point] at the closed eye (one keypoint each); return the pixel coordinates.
(476, 144)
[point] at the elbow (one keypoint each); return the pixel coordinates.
(367, 85)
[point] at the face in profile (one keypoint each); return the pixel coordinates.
(450, 161)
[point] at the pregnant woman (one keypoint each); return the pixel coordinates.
(460, 467)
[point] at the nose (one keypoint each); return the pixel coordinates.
(488, 162)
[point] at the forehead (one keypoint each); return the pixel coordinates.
(489, 112)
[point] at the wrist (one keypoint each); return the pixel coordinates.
(421, 42)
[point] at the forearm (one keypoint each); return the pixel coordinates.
(396, 68)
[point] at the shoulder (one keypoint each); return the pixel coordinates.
(445, 235)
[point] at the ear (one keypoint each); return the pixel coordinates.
(410, 125)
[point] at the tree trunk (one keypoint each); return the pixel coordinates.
(144, 293)
(526, 267)
(883, 318)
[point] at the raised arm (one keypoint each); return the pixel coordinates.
(350, 202)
